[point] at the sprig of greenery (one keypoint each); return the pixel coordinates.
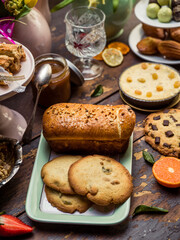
(98, 91)
(23, 12)
(148, 157)
(115, 5)
(144, 209)
(61, 5)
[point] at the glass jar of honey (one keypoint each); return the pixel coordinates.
(59, 88)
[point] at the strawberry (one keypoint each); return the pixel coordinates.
(12, 226)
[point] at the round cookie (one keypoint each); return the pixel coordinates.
(162, 132)
(101, 179)
(55, 173)
(67, 203)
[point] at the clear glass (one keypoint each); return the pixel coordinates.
(86, 38)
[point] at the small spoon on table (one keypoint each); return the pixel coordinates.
(41, 81)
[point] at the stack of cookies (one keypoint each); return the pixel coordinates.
(74, 183)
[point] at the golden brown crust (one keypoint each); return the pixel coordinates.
(11, 56)
(101, 179)
(153, 31)
(6, 62)
(67, 203)
(87, 146)
(86, 126)
(148, 45)
(175, 34)
(55, 173)
(13, 50)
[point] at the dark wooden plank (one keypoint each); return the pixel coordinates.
(146, 189)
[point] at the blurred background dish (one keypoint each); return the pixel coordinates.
(150, 85)
(27, 69)
(12, 123)
(150, 109)
(136, 35)
(140, 12)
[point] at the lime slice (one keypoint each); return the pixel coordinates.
(112, 57)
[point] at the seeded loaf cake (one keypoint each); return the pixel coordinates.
(88, 128)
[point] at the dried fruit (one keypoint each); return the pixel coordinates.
(138, 92)
(154, 76)
(99, 56)
(171, 75)
(177, 84)
(159, 88)
(142, 80)
(170, 49)
(112, 57)
(129, 79)
(149, 94)
(120, 46)
(144, 66)
(157, 67)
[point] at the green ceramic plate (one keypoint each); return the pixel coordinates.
(38, 208)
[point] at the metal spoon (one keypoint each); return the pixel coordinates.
(41, 81)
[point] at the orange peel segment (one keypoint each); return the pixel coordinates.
(124, 48)
(167, 171)
(99, 56)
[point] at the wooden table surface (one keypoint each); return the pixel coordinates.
(146, 190)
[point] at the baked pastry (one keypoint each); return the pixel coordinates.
(13, 50)
(7, 62)
(162, 132)
(101, 179)
(67, 203)
(175, 33)
(88, 128)
(170, 49)
(55, 173)
(148, 45)
(150, 81)
(153, 31)
(11, 56)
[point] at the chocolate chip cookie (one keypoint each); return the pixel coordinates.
(101, 179)
(67, 203)
(55, 173)
(162, 132)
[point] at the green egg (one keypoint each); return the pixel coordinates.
(152, 10)
(163, 2)
(165, 14)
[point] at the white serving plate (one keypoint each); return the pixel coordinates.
(138, 34)
(27, 69)
(140, 12)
